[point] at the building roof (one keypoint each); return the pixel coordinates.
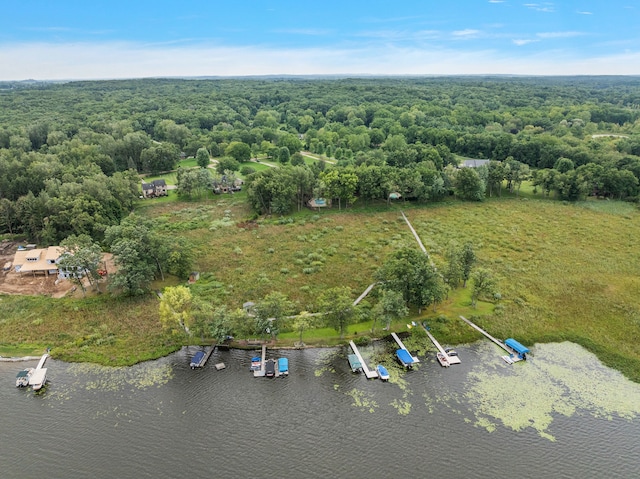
(27, 261)
(472, 163)
(160, 182)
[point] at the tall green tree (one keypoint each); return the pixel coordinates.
(272, 311)
(469, 185)
(467, 261)
(410, 272)
(239, 151)
(81, 257)
(175, 308)
(302, 322)
(337, 306)
(390, 307)
(484, 285)
(140, 253)
(202, 157)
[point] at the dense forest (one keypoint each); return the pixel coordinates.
(71, 153)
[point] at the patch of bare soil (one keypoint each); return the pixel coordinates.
(49, 285)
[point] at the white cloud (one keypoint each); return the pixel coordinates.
(304, 31)
(585, 13)
(523, 41)
(558, 34)
(496, 1)
(129, 60)
(541, 7)
(398, 35)
(465, 33)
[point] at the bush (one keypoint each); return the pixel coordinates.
(247, 170)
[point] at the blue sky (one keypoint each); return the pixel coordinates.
(68, 39)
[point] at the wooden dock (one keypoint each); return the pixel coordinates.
(450, 359)
(402, 346)
(424, 250)
(364, 294)
(365, 369)
(513, 356)
(261, 372)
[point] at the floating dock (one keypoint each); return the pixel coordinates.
(260, 373)
(450, 359)
(365, 369)
(39, 376)
(513, 357)
(405, 356)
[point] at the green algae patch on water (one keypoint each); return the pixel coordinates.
(324, 361)
(561, 378)
(142, 376)
(362, 400)
(403, 407)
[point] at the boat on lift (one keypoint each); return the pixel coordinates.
(22, 378)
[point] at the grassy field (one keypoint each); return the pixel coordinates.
(565, 272)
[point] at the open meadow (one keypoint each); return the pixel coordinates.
(565, 272)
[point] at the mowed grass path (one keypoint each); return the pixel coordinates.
(565, 271)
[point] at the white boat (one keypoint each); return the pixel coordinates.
(38, 379)
(22, 378)
(383, 374)
(443, 360)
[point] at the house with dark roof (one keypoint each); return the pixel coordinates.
(154, 189)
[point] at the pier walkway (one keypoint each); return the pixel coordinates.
(261, 372)
(367, 372)
(450, 359)
(364, 294)
(513, 355)
(424, 250)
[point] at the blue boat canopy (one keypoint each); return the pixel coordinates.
(404, 356)
(283, 365)
(195, 360)
(516, 346)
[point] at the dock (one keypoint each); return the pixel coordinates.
(365, 369)
(39, 376)
(450, 359)
(206, 357)
(513, 356)
(261, 372)
(415, 235)
(364, 294)
(402, 346)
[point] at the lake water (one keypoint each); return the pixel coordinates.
(559, 415)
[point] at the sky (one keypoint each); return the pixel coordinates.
(69, 39)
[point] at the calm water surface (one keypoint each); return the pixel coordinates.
(559, 415)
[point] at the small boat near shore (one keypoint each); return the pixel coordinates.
(22, 378)
(270, 368)
(354, 363)
(256, 363)
(196, 360)
(283, 366)
(443, 360)
(383, 374)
